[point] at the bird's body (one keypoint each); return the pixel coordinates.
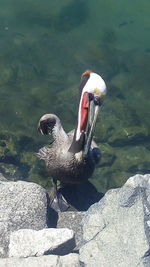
(72, 157)
(62, 164)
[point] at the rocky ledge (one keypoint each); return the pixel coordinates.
(113, 232)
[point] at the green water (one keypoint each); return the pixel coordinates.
(44, 48)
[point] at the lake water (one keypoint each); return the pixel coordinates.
(44, 48)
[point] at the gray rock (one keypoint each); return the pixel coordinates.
(70, 260)
(27, 242)
(72, 220)
(43, 261)
(22, 205)
(116, 230)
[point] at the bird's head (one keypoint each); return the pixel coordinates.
(93, 91)
(48, 123)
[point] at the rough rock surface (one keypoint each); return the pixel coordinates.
(27, 242)
(116, 230)
(113, 232)
(43, 261)
(22, 205)
(72, 220)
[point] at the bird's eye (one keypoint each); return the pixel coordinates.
(91, 97)
(97, 100)
(51, 123)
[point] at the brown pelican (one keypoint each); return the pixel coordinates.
(72, 157)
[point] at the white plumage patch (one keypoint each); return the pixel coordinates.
(95, 85)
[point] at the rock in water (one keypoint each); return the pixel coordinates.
(116, 230)
(2, 178)
(22, 205)
(27, 242)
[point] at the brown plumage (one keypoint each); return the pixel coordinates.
(72, 157)
(62, 164)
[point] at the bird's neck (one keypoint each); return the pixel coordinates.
(59, 135)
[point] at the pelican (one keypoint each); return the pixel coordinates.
(72, 157)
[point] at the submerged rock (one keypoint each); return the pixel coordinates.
(2, 178)
(108, 156)
(11, 171)
(132, 160)
(71, 16)
(116, 229)
(8, 146)
(129, 135)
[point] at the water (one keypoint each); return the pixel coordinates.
(44, 48)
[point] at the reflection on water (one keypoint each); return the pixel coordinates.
(44, 47)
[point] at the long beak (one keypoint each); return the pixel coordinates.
(88, 112)
(93, 112)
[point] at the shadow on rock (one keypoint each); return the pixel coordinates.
(52, 215)
(80, 196)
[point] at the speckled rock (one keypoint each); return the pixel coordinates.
(116, 230)
(27, 242)
(72, 220)
(43, 261)
(22, 205)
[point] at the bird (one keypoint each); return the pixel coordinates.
(72, 157)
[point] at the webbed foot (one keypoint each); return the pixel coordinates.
(58, 202)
